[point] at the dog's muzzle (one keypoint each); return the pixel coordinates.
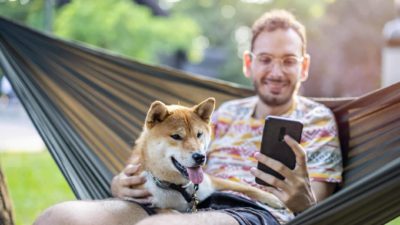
(198, 158)
(180, 168)
(193, 173)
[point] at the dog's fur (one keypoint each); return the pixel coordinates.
(175, 133)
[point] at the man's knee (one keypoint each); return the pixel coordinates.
(202, 218)
(159, 219)
(92, 212)
(57, 214)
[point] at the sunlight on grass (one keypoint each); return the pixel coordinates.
(394, 222)
(34, 182)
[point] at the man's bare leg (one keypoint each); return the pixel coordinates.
(92, 213)
(201, 218)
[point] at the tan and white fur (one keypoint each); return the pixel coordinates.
(174, 139)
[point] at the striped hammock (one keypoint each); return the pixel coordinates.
(88, 105)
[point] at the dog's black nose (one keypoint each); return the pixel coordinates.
(199, 158)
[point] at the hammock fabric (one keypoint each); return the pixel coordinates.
(89, 106)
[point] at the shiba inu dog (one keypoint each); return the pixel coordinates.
(172, 149)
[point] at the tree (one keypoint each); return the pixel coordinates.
(6, 215)
(125, 27)
(29, 12)
(121, 26)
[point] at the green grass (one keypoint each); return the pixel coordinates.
(34, 183)
(394, 222)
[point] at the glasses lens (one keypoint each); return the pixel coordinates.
(265, 59)
(290, 61)
(287, 63)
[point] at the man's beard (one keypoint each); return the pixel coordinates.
(273, 100)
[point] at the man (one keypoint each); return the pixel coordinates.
(391, 31)
(7, 93)
(277, 64)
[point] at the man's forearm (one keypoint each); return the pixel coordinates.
(322, 190)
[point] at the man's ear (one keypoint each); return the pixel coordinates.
(205, 109)
(247, 57)
(157, 113)
(305, 67)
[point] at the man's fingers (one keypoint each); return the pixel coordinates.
(297, 150)
(269, 179)
(274, 191)
(131, 169)
(274, 164)
(135, 160)
(135, 193)
(132, 181)
(146, 200)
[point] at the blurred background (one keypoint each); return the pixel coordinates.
(208, 37)
(350, 56)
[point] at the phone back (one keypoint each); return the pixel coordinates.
(274, 146)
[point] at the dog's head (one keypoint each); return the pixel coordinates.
(177, 139)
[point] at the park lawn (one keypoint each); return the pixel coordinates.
(34, 183)
(394, 222)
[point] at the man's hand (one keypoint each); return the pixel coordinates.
(126, 185)
(295, 190)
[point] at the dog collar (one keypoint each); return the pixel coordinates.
(171, 186)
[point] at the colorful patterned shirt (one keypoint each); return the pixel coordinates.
(237, 136)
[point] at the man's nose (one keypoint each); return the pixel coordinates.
(276, 69)
(199, 158)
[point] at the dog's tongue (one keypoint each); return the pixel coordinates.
(195, 175)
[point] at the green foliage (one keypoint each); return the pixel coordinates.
(125, 27)
(130, 29)
(14, 10)
(34, 183)
(30, 13)
(344, 37)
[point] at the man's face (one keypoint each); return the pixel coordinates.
(276, 66)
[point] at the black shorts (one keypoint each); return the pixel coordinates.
(245, 211)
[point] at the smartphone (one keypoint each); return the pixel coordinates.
(274, 146)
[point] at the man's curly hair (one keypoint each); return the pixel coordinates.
(278, 19)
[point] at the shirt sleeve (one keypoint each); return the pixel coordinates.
(320, 140)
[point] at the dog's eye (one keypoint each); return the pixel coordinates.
(199, 134)
(176, 137)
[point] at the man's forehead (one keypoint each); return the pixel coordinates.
(278, 42)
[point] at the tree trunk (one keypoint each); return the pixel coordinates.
(6, 217)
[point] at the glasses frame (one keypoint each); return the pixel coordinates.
(300, 60)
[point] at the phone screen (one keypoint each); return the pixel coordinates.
(274, 146)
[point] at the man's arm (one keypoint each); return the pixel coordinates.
(322, 190)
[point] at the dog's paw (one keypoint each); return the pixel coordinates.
(272, 201)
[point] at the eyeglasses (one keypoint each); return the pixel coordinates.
(287, 63)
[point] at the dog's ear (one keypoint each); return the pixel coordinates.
(205, 109)
(157, 113)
